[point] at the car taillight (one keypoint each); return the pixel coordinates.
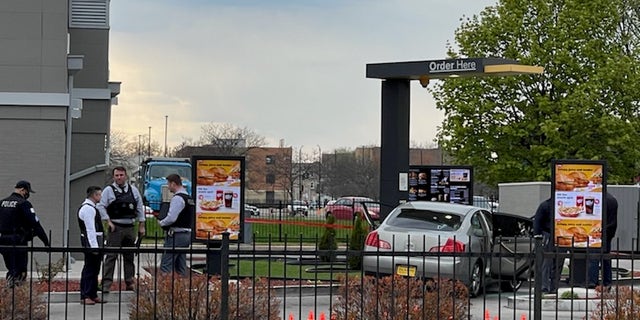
(373, 240)
(450, 246)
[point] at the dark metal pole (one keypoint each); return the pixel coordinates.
(537, 288)
(319, 176)
(149, 146)
(394, 146)
(224, 277)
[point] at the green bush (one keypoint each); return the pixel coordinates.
(356, 242)
(328, 241)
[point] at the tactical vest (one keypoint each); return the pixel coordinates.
(185, 217)
(83, 228)
(12, 219)
(124, 206)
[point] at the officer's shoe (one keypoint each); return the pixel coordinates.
(87, 301)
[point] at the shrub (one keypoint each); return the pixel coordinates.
(328, 241)
(620, 303)
(22, 302)
(396, 297)
(174, 297)
(356, 241)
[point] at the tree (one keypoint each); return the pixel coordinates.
(128, 151)
(584, 106)
(348, 172)
(230, 140)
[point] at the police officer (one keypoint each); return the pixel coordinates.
(120, 206)
(18, 224)
(178, 224)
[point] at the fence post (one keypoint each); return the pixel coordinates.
(537, 289)
(280, 219)
(224, 277)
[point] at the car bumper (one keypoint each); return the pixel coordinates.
(424, 267)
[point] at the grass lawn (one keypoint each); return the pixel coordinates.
(264, 268)
(294, 230)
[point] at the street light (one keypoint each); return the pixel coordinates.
(149, 146)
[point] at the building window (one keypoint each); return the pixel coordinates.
(271, 178)
(270, 159)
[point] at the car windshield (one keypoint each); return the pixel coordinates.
(162, 171)
(426, 220)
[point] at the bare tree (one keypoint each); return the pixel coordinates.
(128, 151)
(229, 139)
(346, 172)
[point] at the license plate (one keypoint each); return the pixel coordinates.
(406, 271)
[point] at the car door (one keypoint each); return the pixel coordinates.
(512, 246)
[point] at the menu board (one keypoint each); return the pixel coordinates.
(579, 203)
(452, 184)
(219, 199)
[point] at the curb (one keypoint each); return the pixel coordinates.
(74, 297)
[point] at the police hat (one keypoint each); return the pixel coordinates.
(23, 184)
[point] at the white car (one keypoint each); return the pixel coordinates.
(298, 207)
(252, 209)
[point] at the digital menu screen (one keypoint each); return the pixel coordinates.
(579, 203)
(452, 184)
(217, 191)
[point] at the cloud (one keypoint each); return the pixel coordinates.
(292, 70)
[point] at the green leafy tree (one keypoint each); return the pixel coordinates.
(328, 241)
(356, 241)
(584, 106)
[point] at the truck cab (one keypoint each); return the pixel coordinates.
(152, 182)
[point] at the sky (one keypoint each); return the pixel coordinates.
(290, 70)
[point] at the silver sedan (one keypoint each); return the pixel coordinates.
(446, 240)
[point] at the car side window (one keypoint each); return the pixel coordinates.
(475, 221)
(487, 219)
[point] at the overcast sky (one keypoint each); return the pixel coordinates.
(288, 69)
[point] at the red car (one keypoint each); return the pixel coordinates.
(345, 208)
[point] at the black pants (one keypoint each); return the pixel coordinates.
(15, 258)
(90, 272)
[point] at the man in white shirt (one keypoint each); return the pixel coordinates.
(177, 224)
(92, 240)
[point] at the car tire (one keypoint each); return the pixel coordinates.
(327, 214)
(476, 280)
(512, 285)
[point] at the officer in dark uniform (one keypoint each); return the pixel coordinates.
(178, 224)
(18, 225)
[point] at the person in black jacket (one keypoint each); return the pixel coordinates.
(18, 225)
(177, 224)
(551, 266)
(610, 232)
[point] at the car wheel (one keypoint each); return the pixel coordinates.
(510, 285)
(476, 280)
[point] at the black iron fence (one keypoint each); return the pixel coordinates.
(298, 280)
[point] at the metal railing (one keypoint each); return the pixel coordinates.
(294, 279)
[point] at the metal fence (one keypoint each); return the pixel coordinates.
(298, 280)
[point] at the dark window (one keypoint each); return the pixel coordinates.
(271, 178)
(270, 159)
(271, 197)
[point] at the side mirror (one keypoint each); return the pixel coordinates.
(478, 232)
